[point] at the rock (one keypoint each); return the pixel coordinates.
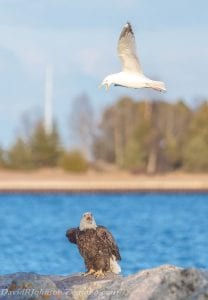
(25, 286)
(162, 283)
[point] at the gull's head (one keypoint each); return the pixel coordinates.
(87, 222)
(107, 81)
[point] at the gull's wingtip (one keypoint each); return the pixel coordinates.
(128, 24)
(127, 28)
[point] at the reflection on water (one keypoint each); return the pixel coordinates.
(150, 229)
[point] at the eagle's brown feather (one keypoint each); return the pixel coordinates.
(106, 236)
(71, 234)
(96, 246)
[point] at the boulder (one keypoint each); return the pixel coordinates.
(161, 283)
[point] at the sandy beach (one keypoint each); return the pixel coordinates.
(56, 180)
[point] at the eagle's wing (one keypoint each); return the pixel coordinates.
(107, 237)
(127, 50)
(71, 234)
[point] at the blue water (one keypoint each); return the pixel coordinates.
(150, 229)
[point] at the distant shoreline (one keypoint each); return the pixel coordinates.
(106, 191)
(58, 181)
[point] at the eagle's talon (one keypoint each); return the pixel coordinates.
(99, 274)
(90, 272)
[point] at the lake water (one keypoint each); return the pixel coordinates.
(150, 228)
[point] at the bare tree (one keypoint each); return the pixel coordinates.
(81, 122)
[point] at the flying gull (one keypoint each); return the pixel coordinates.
(131, 75)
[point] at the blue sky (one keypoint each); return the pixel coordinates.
(79, 39)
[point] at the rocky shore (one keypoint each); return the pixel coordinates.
(161, 283)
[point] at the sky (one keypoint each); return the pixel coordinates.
(79, 39)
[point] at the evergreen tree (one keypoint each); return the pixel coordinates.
(19, 155)
(45, 148)
(38, 150)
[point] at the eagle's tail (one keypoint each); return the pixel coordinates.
(114, 266)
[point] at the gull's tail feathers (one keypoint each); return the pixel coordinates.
(114, 266)
(157, 85)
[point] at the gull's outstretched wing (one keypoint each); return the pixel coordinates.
(127, 50)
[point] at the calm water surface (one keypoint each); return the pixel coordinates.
(150, 229)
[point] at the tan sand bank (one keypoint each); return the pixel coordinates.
(58, 180)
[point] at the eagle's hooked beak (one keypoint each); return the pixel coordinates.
(88, 218)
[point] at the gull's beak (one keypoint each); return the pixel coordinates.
(107, 87)
(101, 85)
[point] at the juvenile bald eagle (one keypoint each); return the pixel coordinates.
(96, 245)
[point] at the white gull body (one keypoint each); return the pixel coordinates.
(131, 75)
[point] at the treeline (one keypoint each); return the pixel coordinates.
(154, 136)
(139, 136)
(41, 149)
